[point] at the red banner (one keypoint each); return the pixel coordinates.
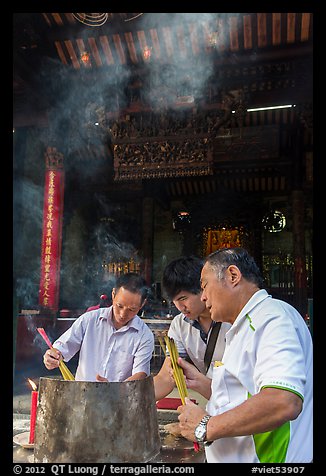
(51, 239)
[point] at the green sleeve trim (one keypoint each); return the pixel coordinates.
(284, 388)
(272, 446)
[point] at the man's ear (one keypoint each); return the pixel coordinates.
(113, 293)
(234, 274)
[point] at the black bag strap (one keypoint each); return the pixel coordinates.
(211, 345)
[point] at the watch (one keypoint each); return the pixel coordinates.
(201, 429)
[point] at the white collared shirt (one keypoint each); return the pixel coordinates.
(268, 345)
(115, 354)
(189, 342)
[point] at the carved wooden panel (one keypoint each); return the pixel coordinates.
(162, 159)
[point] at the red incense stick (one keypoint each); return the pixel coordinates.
(196, 446)
(45, 337)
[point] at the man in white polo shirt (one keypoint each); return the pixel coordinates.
(261, 395)
(114, 343)
(193, 329)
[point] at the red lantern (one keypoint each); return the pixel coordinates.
(85, 58)
(147, 53)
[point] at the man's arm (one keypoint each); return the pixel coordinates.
(163, 381)
(267, 410)
(143, 355)
(136, 376)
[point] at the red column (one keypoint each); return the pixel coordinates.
(52, 230)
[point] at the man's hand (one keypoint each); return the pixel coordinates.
(99, 378)
(195, 380)
(189, 418)
(52, 358)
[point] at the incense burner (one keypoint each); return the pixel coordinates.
(96, 422)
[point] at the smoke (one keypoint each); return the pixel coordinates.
(181, 73)
(38, 340)
(33, 194)
(75, 104)
(115, 225)
(115, 250)
(76, 101)
(27, 290)
(28, 217)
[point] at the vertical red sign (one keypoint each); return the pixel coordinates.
(52, 233)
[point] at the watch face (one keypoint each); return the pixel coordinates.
(200, 432)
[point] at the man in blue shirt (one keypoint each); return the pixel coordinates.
(114, 344)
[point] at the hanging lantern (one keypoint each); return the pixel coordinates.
(213, 39)
(274, 221)
(181, 221)
(85, 58)
(147, 53)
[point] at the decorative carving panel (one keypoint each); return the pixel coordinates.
(162, 159)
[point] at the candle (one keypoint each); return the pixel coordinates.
(34, 397)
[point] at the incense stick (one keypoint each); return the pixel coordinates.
(178, 374)
(177, 371)
(162, 344)
(67, 375)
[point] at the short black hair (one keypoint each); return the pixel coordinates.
(182, 274)
(134, 283)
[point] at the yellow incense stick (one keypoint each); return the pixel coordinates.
(67, 375)
(177, 370)
(178, 375)
(162, 344)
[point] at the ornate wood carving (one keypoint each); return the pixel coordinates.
(161, 159)
(53, 158)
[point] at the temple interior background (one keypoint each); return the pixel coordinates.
(173, 134)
